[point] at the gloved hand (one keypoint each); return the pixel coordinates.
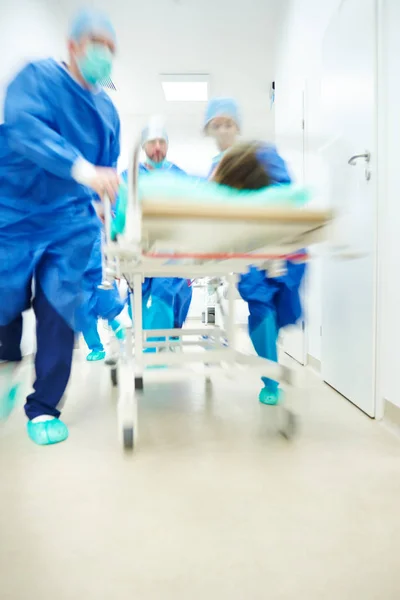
(105, 181)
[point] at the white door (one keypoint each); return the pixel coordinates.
(348, 294)
(293, 338)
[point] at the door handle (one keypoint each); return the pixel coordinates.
(366, 156)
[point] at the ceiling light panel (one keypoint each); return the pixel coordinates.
(185, 88)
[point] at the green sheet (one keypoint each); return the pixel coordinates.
(167, 187)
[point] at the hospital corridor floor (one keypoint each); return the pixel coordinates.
(213, 505)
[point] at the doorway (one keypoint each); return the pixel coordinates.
(349, 286)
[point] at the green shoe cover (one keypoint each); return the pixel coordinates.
(120, 333)
(118, 329)
(270, 398)
(47, 432)
(96, 355)
(8, 400)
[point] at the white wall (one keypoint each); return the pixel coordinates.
(298, 68)
(193, 156)
(389, 208)
(29, 29)
(298, 72)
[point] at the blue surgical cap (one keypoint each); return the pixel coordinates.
(222, 107)
(91, 22)
(154, 132)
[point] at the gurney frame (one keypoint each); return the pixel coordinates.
(129, 257)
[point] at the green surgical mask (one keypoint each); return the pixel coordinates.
(96, 64)
(155, 165)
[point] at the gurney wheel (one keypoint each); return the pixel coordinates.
(110, 361)
(289, 425)
(139, 384)
(114, 377)
(128, 438)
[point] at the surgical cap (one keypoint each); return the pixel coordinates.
(91, 22)
(154, 131)
(222, 107)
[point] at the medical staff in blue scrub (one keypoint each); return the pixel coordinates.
(99, 304)
(273, 302)
(59, 146)
(155, 146)
(166, 301)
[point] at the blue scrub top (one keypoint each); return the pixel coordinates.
(50, 122)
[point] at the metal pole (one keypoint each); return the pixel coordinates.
(133, 224)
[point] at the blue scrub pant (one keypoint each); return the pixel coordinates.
(166, 303)
(53, 249)
(91, 336)
(170, 302)
(158, 313)
(182, 301)
(103, 304)
(260, 291)
(97, 303)
(273, 303)
(55, 345)
(264, 335)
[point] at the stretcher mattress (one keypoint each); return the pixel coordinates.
(192, 216)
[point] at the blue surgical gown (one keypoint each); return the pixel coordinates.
(48, 225)
(97, 303)
(166, 301)
(273, 302)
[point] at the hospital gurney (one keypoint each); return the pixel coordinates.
(166, 236)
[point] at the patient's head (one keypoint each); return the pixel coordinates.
(241, 169)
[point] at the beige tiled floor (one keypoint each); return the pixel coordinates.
(213, 506)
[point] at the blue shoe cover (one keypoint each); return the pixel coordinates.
(270, 397)
(47, 432)
(96, 355)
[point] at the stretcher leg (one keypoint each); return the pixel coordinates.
(288, 421)
(127, 408)
(227, 357)
(127, 403)
(230, 326)
(138, 325)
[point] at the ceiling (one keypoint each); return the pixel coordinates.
(234, 41)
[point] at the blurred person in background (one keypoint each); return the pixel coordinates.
(98, 304)
(274, 302)
(166, 300)
(155, 146)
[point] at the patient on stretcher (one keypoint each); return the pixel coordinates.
(274, 302)
(240, 168)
